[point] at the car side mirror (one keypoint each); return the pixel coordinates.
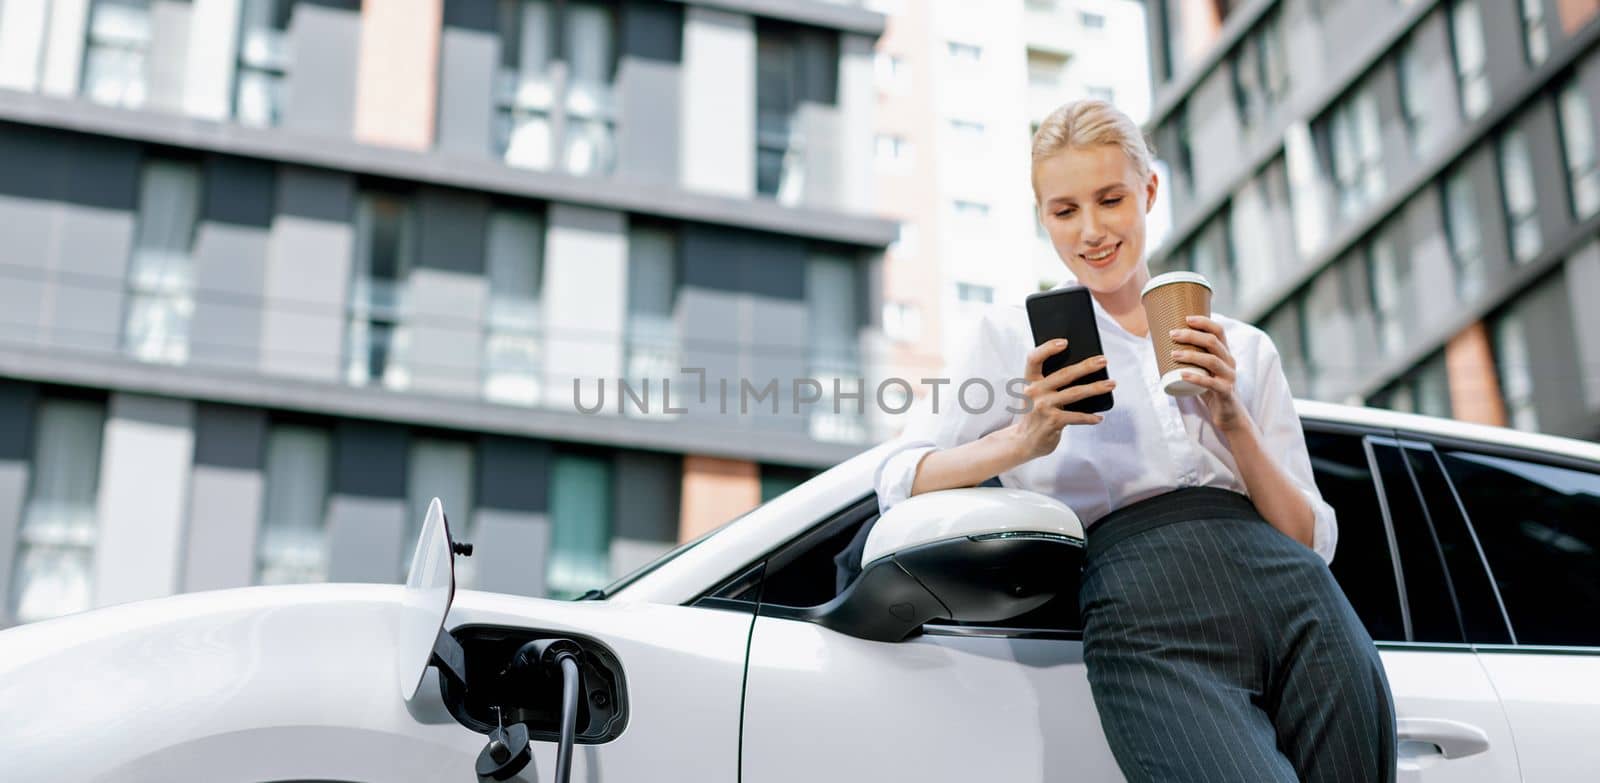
(971, 555)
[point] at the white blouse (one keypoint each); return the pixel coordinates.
(1149, 442)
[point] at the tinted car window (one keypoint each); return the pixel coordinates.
(1363, 562)
(1481, 616)
(1427, 585)
(1540, 529)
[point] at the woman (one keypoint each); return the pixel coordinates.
(1217, 643)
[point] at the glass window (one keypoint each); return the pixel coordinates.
(1424, 390)
(385, 252)
(972, 292)
(1101, 93)
(1521, 202)
(512, 351)
(893, 151)
(1540, 530)
(260, 82)
(161, 272)
(1045, 68)
(965, 53)
(1479, 609)
(440, 468)
(1092, 21)
(969, 210)
(1511, 361)
(1535, 35)
(1383, 279)
(653, 352)
(1577, 144)
(833, 316)
(536, 36)
(1465, 238)
(114, 54)
(580, 514)
(778, 479)
(1472, 73)
(794, 66)
(54, 572)
(1260, 72)
(1355, 142)
(293, 546)
(1413, 98)
(1364, 562)
(1427, 592)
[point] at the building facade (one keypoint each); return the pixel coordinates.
(1403, 194)
(961, 88)
(273, 273)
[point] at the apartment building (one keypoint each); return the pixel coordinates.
(1403, 193)
(273, 273)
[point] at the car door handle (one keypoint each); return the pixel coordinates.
(1453, 739)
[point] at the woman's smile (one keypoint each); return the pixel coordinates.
(1102, 257)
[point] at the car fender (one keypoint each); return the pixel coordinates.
(263, 683)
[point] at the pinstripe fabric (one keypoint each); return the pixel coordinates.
(1219, 649)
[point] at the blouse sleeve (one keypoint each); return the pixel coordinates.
(1284, 439)
(939, 420)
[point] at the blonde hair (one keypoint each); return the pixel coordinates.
(1087, 123)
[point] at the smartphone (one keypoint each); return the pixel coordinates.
(1067, 312)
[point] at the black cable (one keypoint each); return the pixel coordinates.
(570, 682)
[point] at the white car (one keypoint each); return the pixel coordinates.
(1472, 554)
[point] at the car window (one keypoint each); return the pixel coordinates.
(1431, 607)
(1540, 529)
(1363, 563)
(1481, 616)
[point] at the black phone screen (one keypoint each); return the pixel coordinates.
(1068, 312)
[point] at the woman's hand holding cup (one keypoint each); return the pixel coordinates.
(1037, 431)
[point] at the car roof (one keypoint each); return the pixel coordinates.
(748, 537)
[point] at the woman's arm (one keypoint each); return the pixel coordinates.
(1265, 438)
(1276, 497)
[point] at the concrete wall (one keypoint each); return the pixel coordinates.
(308, 274)
(326, 39)
(650, 92)
(22, 43)
(447, 293)
(144, 498)
(225, 500)
(166, 66)
(63, 62)
(585, 291)
(212, 59)
(1583, 279)
(367, 507)
(647, 490)
(18, 403)
(230, 263)
(511, 533)
(719, 102)
(469, 56)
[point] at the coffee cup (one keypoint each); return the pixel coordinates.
(1168, 300)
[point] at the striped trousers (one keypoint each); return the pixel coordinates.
(1220, 649)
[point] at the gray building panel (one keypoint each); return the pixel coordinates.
(469, 58)
(711, 337)
(1552, 347)
(1483, 166)
(321, 89)
(649, 94)
(18, 402)
(1583, 279)
(230, 274)
(513, 474)
(1538, 122)
(168, 55)
(230, 436)
(86, 310)
(646, 494)
(778, 349)
(1505, 54)
(308, 274)
(453, 228)
(369, 459)
(739, 261)
(510, 549)
(225, 505)
(365, 539)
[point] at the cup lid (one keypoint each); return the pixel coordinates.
(1174, 277)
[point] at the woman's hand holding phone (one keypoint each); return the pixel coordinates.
(1038, 431)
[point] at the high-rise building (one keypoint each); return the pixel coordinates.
(1403, 194)
(274, 273)
(961, 88)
